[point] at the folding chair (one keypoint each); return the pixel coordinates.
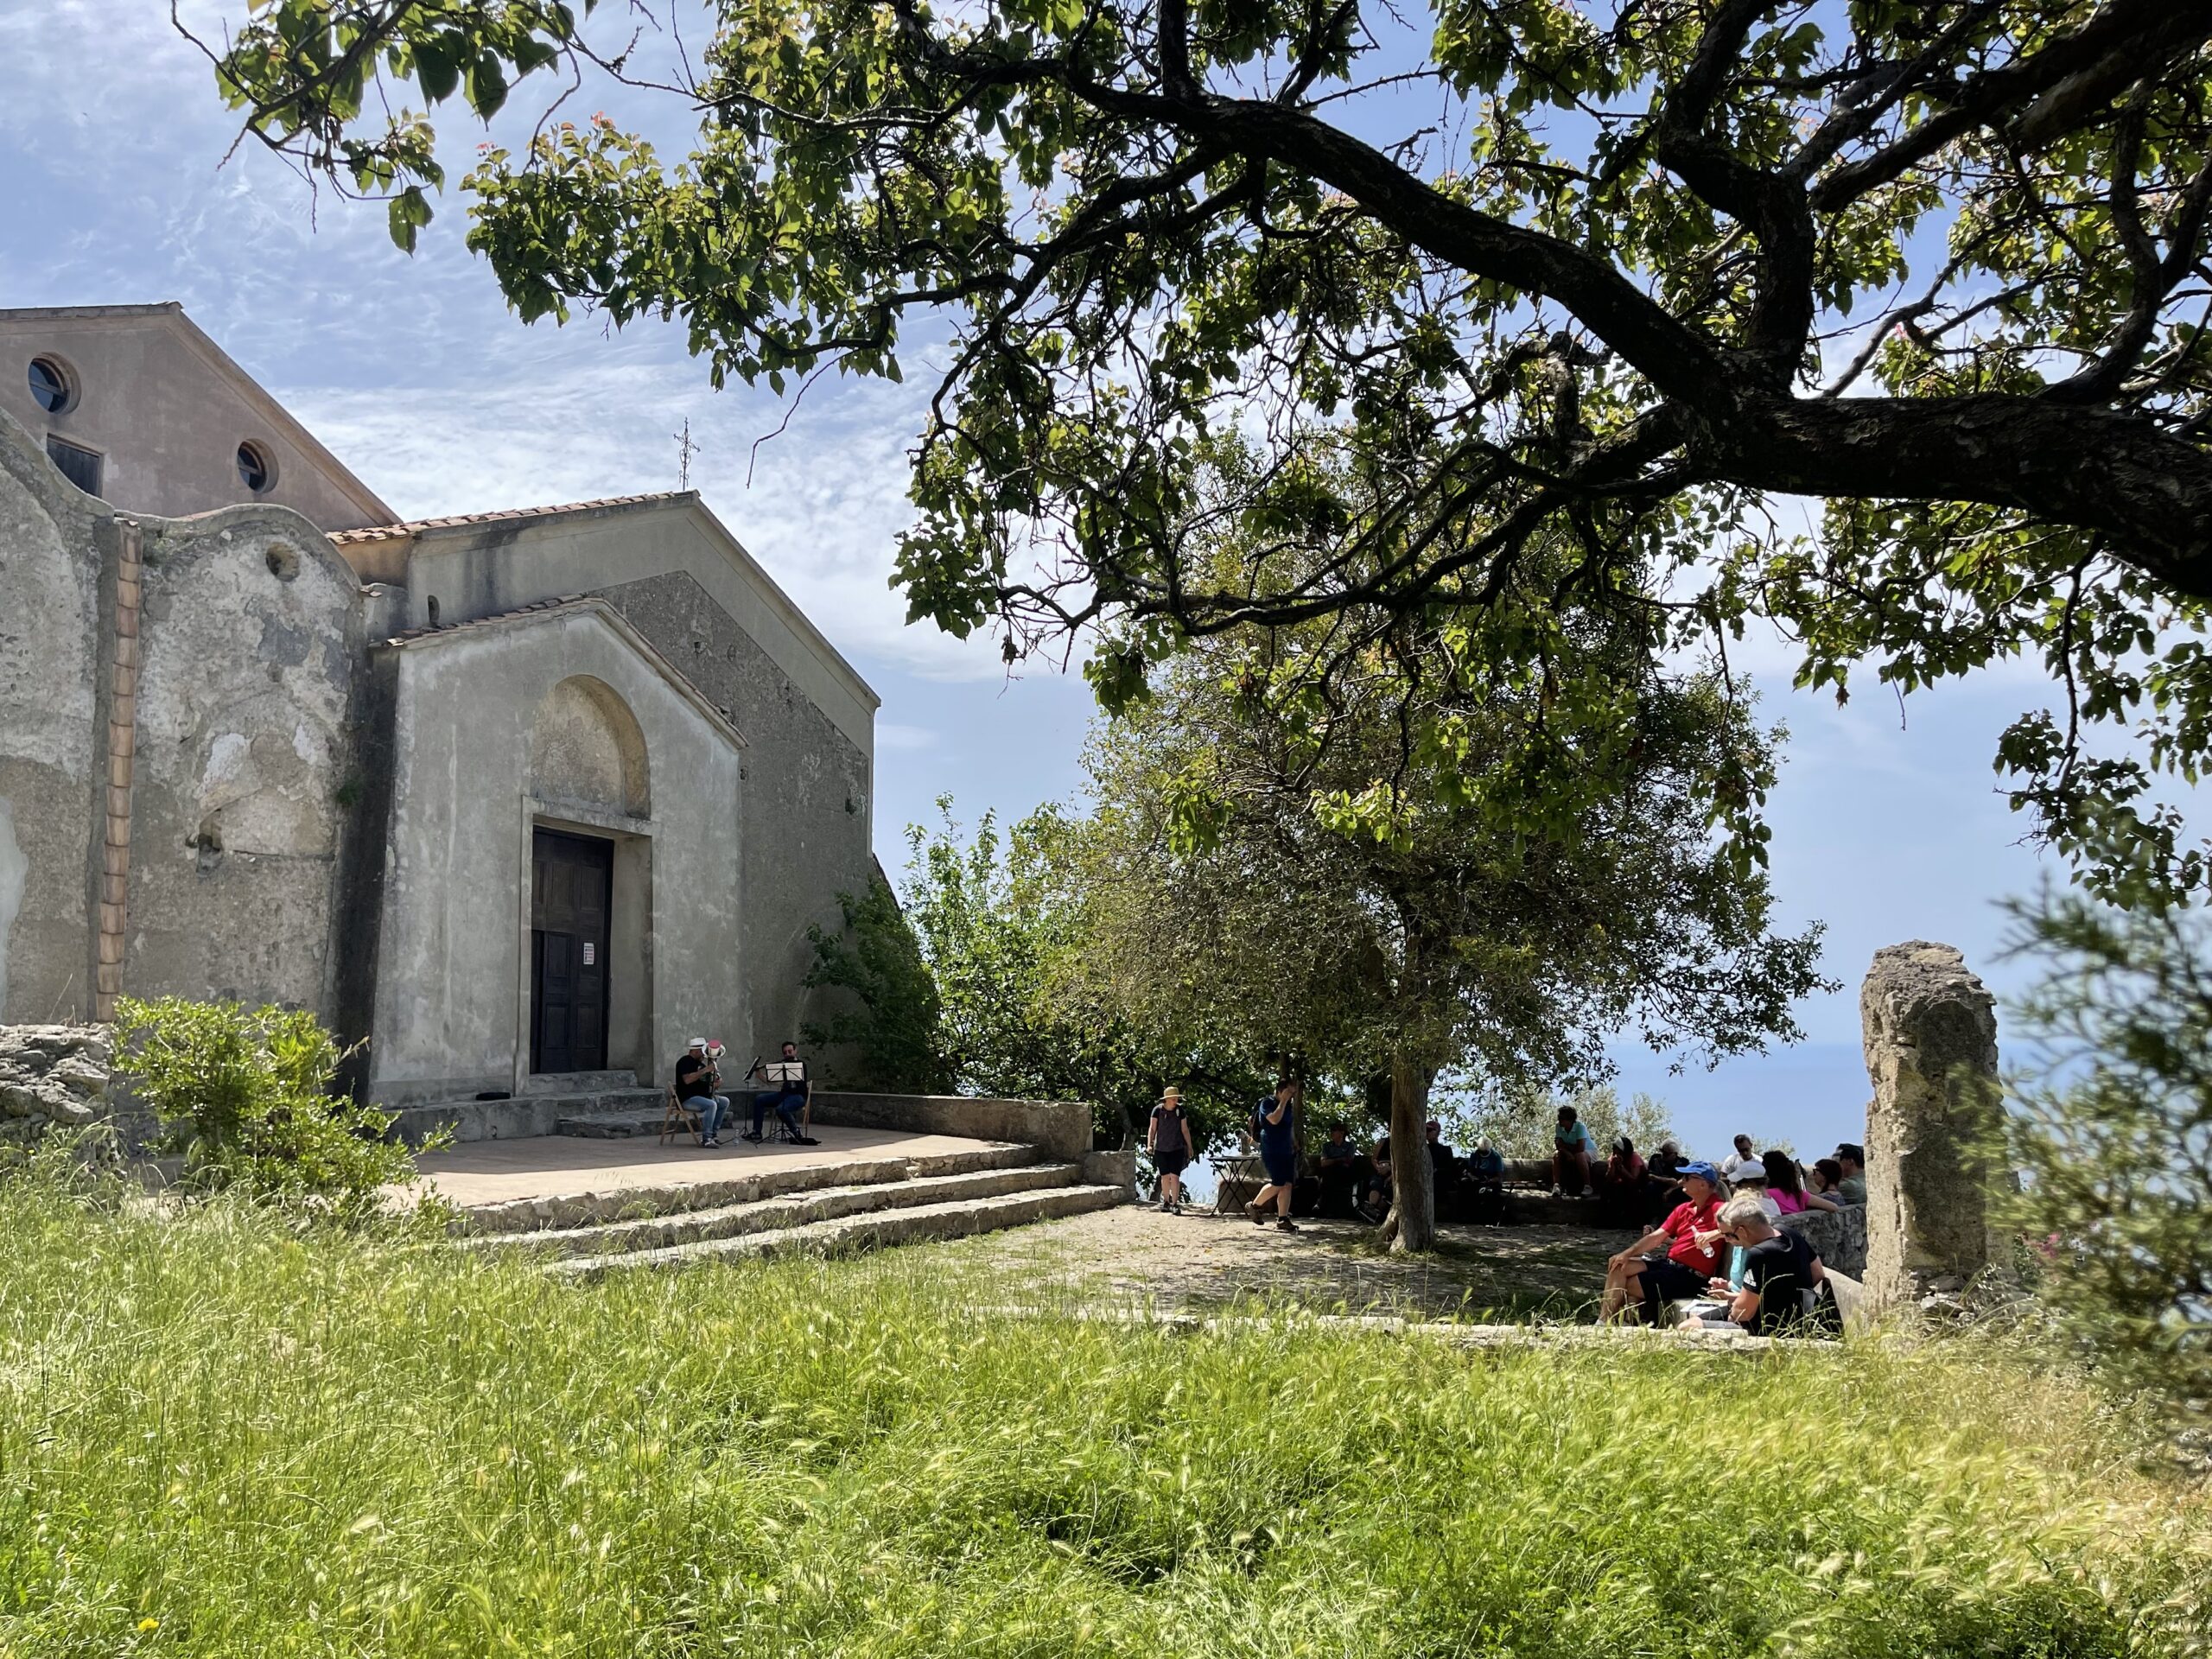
(677, 1118)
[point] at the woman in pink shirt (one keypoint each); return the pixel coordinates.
(1785, 1184)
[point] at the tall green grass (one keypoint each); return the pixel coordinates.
(217, 1438)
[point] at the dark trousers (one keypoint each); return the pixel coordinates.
(786, 1101)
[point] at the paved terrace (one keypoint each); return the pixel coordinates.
(499, 1172)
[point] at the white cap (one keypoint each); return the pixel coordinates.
(697, 1042)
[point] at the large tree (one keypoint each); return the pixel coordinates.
(1619, 273)
(1392, 862)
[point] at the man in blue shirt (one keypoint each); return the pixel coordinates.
(1274, 1125)
(1571, 1151)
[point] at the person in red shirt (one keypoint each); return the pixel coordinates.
(1674, 1261)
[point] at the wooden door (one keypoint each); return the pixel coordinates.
(572, 879)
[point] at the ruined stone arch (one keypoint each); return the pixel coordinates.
(586, 748)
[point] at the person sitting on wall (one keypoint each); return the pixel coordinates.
(1483, 1179)
(1339, 1173)
(1620, 1186)
(1825, 1180)
(1785, 1184)
(1733, 1170)
(1662, 1188)
(1572, 1151)
(698, 1076)
(1750, 1182)
(1444, 1165)
(1672, 1261)
(791, 1093)
(1852, 1160)
(1779, 1271)
(1377, 1203)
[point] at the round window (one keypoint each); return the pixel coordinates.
(50, 385)
(254, 470)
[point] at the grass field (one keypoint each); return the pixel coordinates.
(218, 1439)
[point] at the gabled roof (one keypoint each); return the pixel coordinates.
(469, 520)
(468, 524)
(170, 314)
(573, 605)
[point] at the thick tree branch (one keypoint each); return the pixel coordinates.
(2147, 32)
(2092, 468)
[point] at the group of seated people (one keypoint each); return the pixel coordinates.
(787, 1091)
(1724, 1258)
(1358, 1184)
(1634, 1189)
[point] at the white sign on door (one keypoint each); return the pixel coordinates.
(589, 949)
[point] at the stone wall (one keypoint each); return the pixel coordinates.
(250, 646)
(50, 622)
(53, 1076)
(1838, 1236)
(1061, 1127)
(806, 786)
(1931, 1052)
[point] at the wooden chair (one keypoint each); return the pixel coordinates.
(677, 1118)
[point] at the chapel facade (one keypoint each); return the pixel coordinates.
(517, 796)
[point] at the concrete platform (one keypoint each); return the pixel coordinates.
(482, 1173)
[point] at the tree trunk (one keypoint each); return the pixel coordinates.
(1411, 1226)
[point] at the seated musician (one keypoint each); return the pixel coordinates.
(790, 1093)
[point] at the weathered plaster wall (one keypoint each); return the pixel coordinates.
(452, 1011)
(49, 630)
(166, 412)
(806, 793)
(250, 645)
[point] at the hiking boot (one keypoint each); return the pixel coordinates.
(1287, 1225)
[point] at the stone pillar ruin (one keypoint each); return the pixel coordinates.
(1931, 1051)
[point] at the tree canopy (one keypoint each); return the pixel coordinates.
(1620, 276)
(1390, 862)
(965, 988)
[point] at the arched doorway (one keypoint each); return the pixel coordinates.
(587, 761)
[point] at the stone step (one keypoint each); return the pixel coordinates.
(783, 1212)
(562, 1212)
(578, 1083)
(852, 1234)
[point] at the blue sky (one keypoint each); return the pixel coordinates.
(112, 148)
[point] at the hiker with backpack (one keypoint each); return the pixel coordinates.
(1275, 1125)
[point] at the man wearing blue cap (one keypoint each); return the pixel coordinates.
(1672, 1261)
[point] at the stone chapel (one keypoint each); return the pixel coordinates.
(519, 796)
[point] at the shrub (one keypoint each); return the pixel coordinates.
(893, 1032)
(243, 1093)
(2112, 1133)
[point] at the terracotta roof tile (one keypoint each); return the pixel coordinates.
(443, 628)
(416, 526)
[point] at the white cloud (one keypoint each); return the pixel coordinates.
(890, 735)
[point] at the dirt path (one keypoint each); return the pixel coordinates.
(1200, 1261)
